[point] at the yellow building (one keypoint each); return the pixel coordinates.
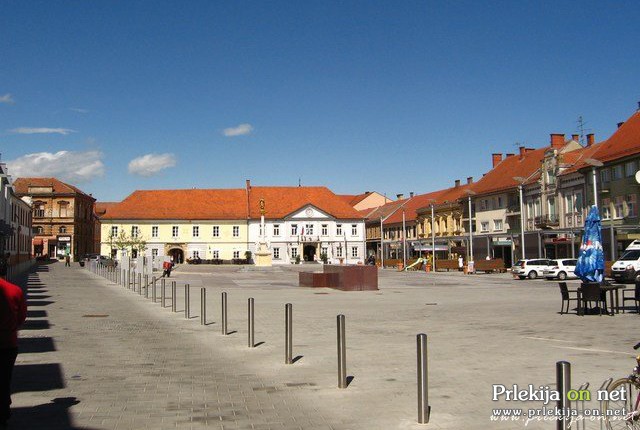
(209, 224)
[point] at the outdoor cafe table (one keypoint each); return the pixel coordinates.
(613, 300)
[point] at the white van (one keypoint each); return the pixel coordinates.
(627, 267)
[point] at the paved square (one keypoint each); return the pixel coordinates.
(96, 355)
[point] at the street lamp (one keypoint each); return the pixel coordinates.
(433, 239)
(594, 163)
(469, 194)
(521, 181)
(383, 219)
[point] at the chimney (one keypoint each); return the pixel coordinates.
(495, 159)
(457, 183)
(620, 124)
(522, 152)
(591, 139)
(400, 196)
(411, 195)
(469, 180)
(507, 155)
(248, 181)
(557, 140)
(575, 137)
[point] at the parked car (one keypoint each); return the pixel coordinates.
(103, 260)
(530, 268)
(627, 267)
(561, 269)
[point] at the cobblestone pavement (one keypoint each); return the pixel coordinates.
(95, 355)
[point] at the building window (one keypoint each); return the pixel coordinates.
(339, 229)
(195, 254)
(354, 229)
(236, 254)
(605, 175)
(134, 231)
(324, 229)
(484, 226)
(294, 229)
(276, 229)
(630, 169)
(339, 252)
(324, 251)
(196, 231)
(154, 252)
(294, 253)
(114, 230)
(62, 229)
(63, 209)
(134, 253)
(114, 253)
(216, 231)
(174, 231)
(616, 172)
(619, 205)
(499, 202)
(606, 214)
(497, 224)
(308, 229)
(216, 254)
(154, 231)
(39, 230)
(276, 253)
(236, 232)
(354, 251)
(632, 206)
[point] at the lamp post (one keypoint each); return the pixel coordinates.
(404, 240)
(383, 219)
(594, 163)
(470, 263)
(433, 240)
(521, 182)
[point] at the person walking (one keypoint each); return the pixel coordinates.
(67, 260)
(13, 312)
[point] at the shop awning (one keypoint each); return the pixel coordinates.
(428, 247)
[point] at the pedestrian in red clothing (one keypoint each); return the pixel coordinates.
(13, 312)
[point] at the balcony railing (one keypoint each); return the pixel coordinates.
(548, 220)
(513, 209)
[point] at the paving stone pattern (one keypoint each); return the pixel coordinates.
(96, 355)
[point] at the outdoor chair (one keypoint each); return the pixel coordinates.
(634, 297)
(566, 297)
(593, 293)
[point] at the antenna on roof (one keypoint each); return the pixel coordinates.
(581, 129)
(299, 182)
(519, 144)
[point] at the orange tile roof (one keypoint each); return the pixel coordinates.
(283, 201)
(625, 141)
(21, 186)
(501, 177)
(212, 204)
(100, 208)
(189, 204)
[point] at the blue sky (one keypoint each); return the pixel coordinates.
(391, 96)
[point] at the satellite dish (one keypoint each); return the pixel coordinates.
(638, 176)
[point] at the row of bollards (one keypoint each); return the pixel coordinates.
(125, 279)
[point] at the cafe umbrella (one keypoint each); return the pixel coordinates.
(590, 265)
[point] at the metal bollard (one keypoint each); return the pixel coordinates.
(342, 353)
(203, 306)
(163, 291)
(153, 291)
(424, 410)
(186, 301)
(140, 283)
(224, 313)
(174, 289)
(288, 333)
(251, 322)
(563, 385)
(146, 286)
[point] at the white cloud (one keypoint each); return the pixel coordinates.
(70, 166)
(151, 164)
(79, 110)
(41, 130)
(7, 99)
(240, 130)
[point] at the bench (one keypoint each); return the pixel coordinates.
(447, 264)
(495, 265)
